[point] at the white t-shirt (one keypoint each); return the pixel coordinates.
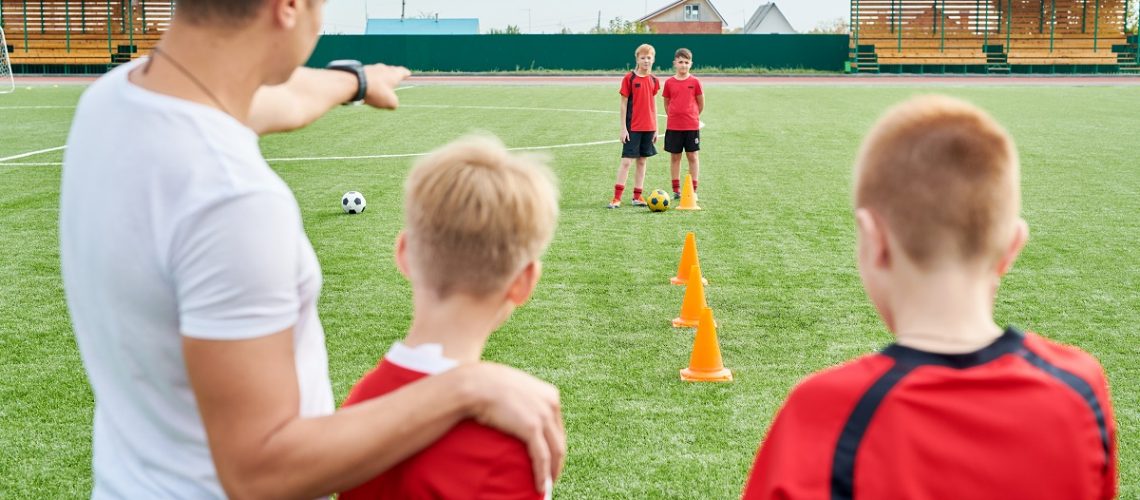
(171, 224)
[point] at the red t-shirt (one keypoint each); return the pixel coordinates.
(1022, 418)
(470, 461)
(683, 112)
(641, 109)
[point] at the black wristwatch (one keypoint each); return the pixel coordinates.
(355, 67)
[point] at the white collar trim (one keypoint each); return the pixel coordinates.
(425, 358)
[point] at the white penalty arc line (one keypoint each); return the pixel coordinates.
(8, 160)
(31, 153)
(411, 155)
(397, 89)
(504, 108)
(361, 157)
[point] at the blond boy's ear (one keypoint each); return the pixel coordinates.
(401, 253)
(1020, 237)
(872, 239)
(524, 283)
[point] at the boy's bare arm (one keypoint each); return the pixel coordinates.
(700, 103)
(624, 131)
(666, 99)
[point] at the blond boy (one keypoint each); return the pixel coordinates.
(684, 103)
(957, 407)
(477, 219)
(638, 124)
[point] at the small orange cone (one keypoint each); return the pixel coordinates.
(694, 301)
(705, 364)
(688, 201)
(688, 260)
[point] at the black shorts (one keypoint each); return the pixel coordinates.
(678, 140)
(640, 145)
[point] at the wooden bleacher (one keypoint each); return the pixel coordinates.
(81, 36)
(993, 36)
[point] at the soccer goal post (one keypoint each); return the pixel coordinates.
(7, 84)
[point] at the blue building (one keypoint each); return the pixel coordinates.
(433, 26)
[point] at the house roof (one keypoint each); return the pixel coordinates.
(671, 5)
(422, 27)
(762, 14)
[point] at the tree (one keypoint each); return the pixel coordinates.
(619, 26)
(837, 26)
(566, 31)
(509, 30)
(1131, 24)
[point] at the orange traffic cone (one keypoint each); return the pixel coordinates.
(705, 364)
(694, 301)
(688, 260)
(688, 198)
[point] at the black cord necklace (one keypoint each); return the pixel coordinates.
(189, 75)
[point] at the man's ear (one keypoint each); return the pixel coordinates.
(285, 12)
(524, 283)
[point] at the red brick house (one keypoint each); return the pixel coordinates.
(686, 16)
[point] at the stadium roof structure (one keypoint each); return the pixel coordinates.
(428, 26)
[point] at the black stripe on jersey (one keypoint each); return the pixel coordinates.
(629, 105)
(906, 360)
(1077, 384)
(843, 464)
(1011, 341)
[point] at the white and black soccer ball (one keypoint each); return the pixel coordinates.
(353, 202)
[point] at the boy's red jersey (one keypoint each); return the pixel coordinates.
(641, 109)
(1022, 418)
(470, 461)
(683, 112)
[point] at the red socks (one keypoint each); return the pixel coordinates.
(694, 185)
(676, 185)
(637, 193)
(618, 190)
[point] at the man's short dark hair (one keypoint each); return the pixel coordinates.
(230, 12)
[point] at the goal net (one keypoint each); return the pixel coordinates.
(7, 84)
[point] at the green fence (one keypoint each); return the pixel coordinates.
(582, 52)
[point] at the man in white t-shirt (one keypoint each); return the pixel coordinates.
(192, 286)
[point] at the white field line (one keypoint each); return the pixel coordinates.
(7, 161)
(360, 157)
(31, 153)
(410, 155)
(71, 107)
(507, 108)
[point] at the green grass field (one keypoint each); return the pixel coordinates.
(775, 239)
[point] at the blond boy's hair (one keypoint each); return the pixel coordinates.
(683, 54)
(476, 214)
(943, 176)
(644, 48)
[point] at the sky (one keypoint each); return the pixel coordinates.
(549, 16)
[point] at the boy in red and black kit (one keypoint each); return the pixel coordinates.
(957, 407)
(684, 102)
(477, 219)
(638, 124)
